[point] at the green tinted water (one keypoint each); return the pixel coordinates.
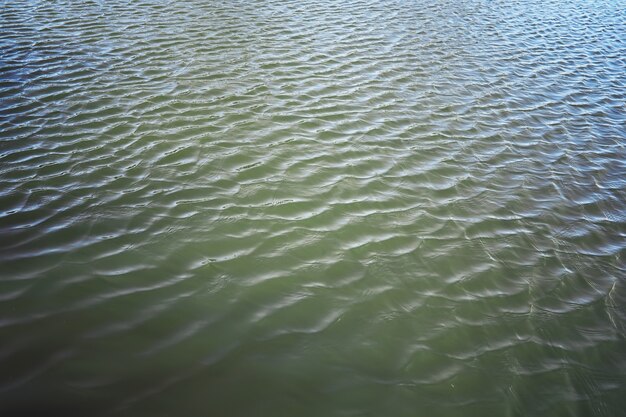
(296, 208)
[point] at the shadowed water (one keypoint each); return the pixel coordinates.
(298, 208)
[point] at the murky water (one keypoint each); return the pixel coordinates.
(298, 208)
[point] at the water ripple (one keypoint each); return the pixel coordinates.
(312, 208)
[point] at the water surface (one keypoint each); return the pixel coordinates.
(312, 208)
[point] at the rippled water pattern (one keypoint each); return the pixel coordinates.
(312, 208)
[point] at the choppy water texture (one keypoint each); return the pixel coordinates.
(312, 208)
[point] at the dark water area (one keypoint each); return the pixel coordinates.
(312, 208)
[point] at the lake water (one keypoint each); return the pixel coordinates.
(312, 208)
